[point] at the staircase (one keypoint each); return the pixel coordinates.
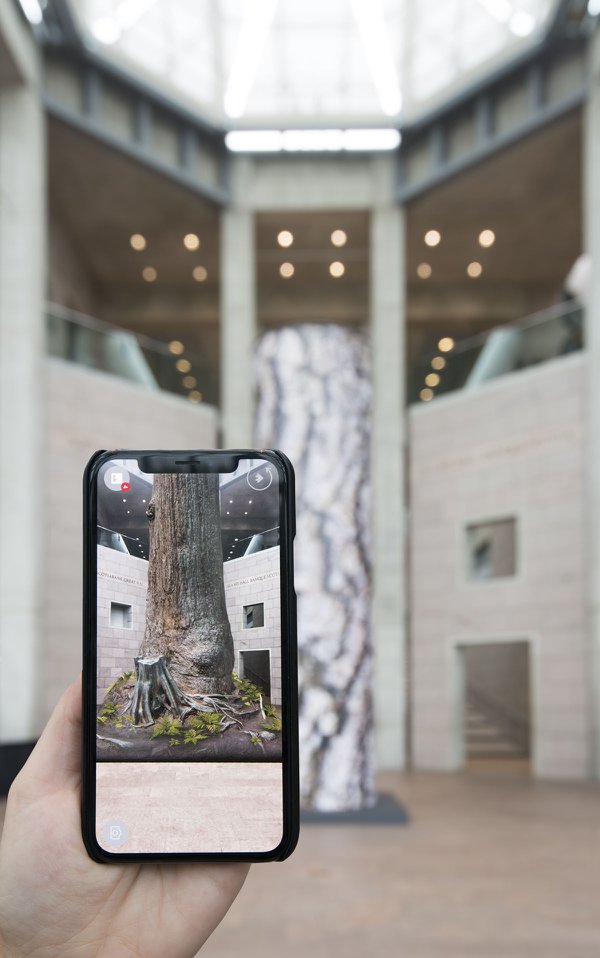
(487, 736)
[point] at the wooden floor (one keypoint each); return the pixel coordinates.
(491, 865)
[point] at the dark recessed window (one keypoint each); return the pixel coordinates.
(254, 616)
(120, 615)
(491, 549)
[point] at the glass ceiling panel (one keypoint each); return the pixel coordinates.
(335, 63)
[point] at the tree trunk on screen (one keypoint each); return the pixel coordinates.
(187, 626)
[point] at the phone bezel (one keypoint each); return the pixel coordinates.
(288, 660)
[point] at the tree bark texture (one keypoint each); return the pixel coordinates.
(314, 395)
(186, 615)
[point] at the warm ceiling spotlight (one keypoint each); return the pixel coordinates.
(176, 347)
(426, 394)
(189, 382)
(337, 269)
(200, 273)
(339, 238)
(183, 365)
(195, 396)
(149, 274)
(285, 238)
(445, 344)
(137, 242)
(438, 362)
(474, 269)
(433, 237)
(487, 238)
(286, 270)
(432, 379)
(191, 241)
(423, 270)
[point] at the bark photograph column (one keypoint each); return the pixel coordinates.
(313, 402)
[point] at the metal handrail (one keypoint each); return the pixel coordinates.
(558, 311)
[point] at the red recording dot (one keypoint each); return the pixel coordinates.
(125, 486)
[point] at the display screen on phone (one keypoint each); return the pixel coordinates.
(188, 660)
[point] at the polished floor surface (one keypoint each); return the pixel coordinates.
(491, 865)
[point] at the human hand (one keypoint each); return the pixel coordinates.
(55, 901)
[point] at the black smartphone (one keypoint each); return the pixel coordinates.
(189, 656)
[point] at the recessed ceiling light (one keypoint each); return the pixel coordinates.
(189, 382)
(183, 365)
(438, 362)
(285, 238)
(423, 270)
(426, 394)
(432, 237)
(191, 241)
(474, 269)
(487, 238)
(287, 270)
(149, 274)
(137, 241)
(195, 396)
(339, 238)
(445, 344)
(176, 347)
(200, 273)
(432, 379)
(337, 269)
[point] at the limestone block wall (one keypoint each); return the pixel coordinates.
(85, 410)
(512, 448)
(122, 578)
(249, 580)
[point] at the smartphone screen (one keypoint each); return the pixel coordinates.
(189, 727)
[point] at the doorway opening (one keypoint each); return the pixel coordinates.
(255, 667)
(496, 706)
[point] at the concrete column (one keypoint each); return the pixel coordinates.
(22, 252)
(591, 213)
(238, 325)
(387, 305)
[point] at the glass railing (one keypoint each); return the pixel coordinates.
(90, 342)
(551, 333)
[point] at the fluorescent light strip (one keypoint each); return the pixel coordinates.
(108, 30)
(253, 36)
(375, 38)
(311, 141)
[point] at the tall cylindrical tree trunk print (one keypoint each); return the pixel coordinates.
(314, 397)
(186, 615)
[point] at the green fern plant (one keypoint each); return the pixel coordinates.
(250, 693)
(273, 726)
(192, 736)
(207, 722)
(167, 726)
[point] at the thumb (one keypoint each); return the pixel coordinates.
(56, 759)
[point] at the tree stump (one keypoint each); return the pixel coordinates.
(155, 691)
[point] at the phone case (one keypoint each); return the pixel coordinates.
(288, 651)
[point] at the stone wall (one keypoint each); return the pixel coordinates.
(122, 578)
(85, 410)
(511, 448)
(249, 580)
